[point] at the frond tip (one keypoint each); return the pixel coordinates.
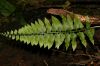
(45, 33)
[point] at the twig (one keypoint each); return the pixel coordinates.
(93, 20)
(45, 63)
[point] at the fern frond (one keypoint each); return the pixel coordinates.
(45, 33)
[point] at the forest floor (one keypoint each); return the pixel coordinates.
(16, 53)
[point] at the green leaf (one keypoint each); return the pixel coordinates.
(88, 23)
(41, 40)
(38, 29)
(22, 38)
(82, 38)
(10, 36)
(48, 25)
(36, 41)
(59, 38)
(56, 25)
(41, 26)
(34, 29)
(65, 26)
(49, 40)
(6, 8)
(73, 42)
(13, 36)
(70, 23)
(15, 32)
(67, 40)
(24, 30)
(90, 34)
(45, 34)
(11, 32)
(7, 32)
(46, 38)
(28, 39)
(32, 40)
(17, 37)
(77, 23)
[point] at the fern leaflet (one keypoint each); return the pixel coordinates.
(45, 33)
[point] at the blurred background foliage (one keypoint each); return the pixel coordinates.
(11, 11)
(19, 12)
